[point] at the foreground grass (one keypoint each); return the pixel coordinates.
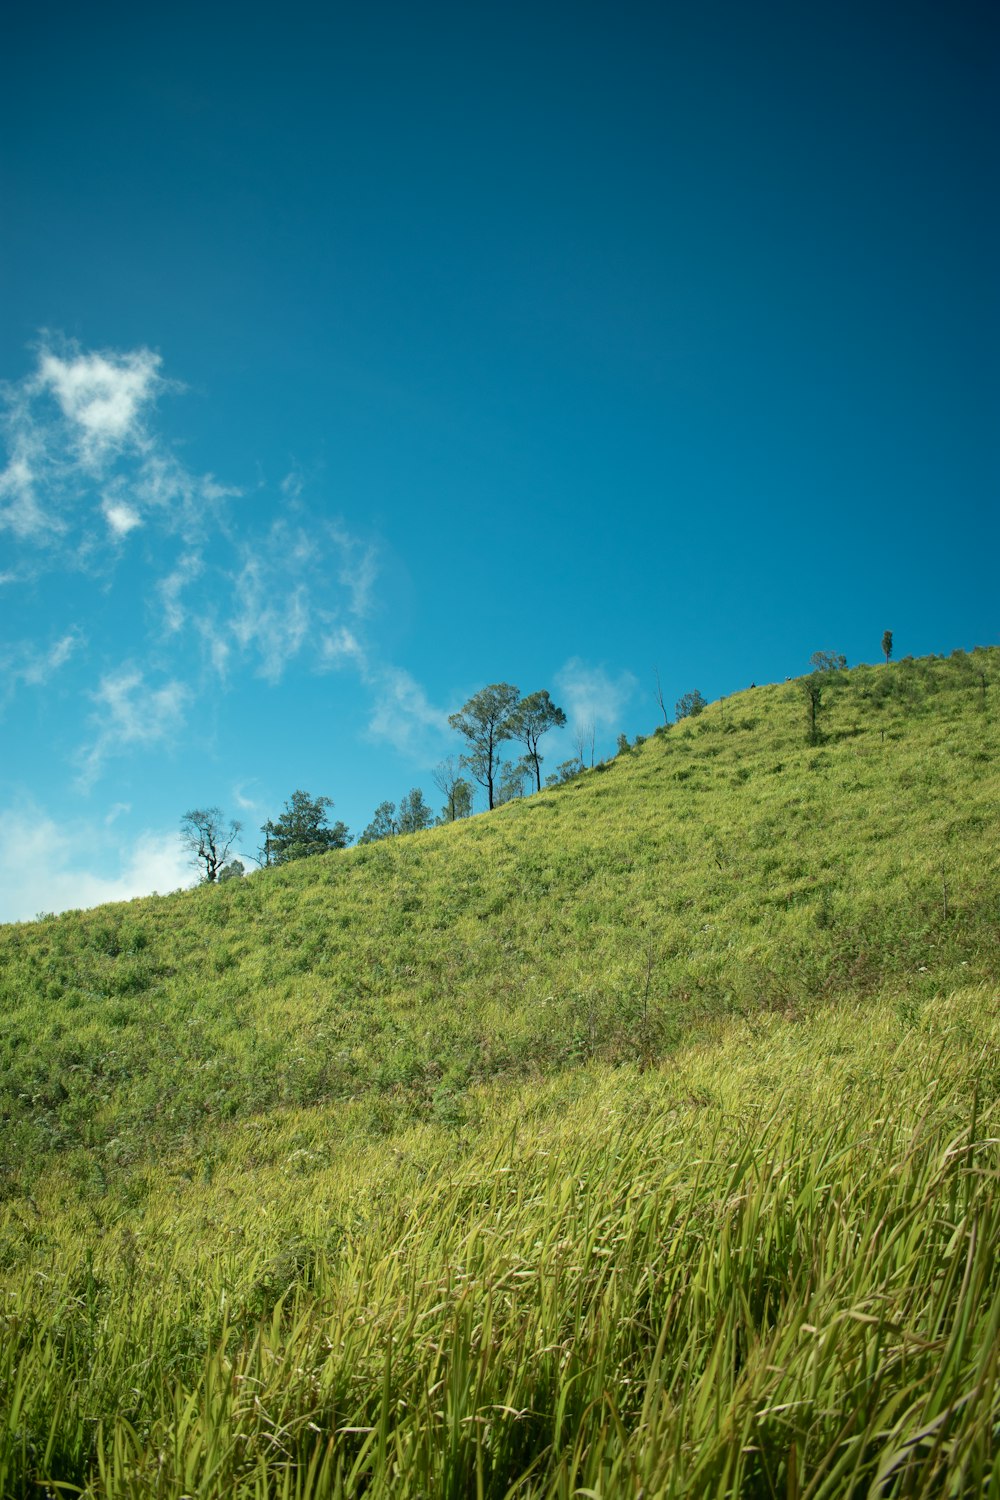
(640, 1138)
(766, 1269)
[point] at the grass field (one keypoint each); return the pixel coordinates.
(637, 1138)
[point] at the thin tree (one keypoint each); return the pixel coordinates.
(533, 717)
(887, 645)
(513, 775)
(382, 826)
(812, 687)
(484, 722)
(454, 788)
(208, 837)
(659, 696)
(414, 813)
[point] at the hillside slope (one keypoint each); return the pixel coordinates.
(738, 989)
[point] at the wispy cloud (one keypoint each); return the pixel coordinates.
(35, 664)
(130, 713)
(341, 646)
(591, 697)
(272, 616)
(403, 714)
(189, 566)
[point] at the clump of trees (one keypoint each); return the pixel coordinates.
(413, 815)
(827, 661)
(455, 789)
(495, 715)
(301, 830)
(689, 705)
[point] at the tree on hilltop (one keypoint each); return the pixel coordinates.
(534, 716)
(301, 830)
(414, 813)
(828, 661)
(513, 775)
(452, 785)
(690, 705)
(382, 826)
(485, 723)
(887, 645)
(208, 837)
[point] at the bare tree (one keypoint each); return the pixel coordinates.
(584, 740)
(659, 696)
(208, 838)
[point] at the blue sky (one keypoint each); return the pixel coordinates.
(355, 358)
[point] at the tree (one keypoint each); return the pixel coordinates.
(302, 829)
(659, 696)
(533, 717)
(887, 644)
(513, 775)
(827, 661)
(690, 705)
(584, 738)
(450, 782)
(812, 687)
(414, 813)
(484, 721)
(208, 838)
(382, 826)
(234, 870)
(565, 771)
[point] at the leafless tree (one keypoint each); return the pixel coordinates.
(208, 838)
(659, 696)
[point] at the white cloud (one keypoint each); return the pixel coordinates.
(590, 697)
(47, 865)
(187, 570)
(341, 645)
(403, 714)
(128, 714)
(246, 803)
(101, 433)
(103, 397)
(217, 646)
(271, 618)
(120, 517)
(359, 576)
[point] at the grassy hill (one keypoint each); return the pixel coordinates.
(639, 1137)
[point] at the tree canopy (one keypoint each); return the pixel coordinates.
(302, 829)
(534, 716)
(485, 723)
(690, 704)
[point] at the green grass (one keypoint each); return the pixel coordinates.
(639, 1138)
